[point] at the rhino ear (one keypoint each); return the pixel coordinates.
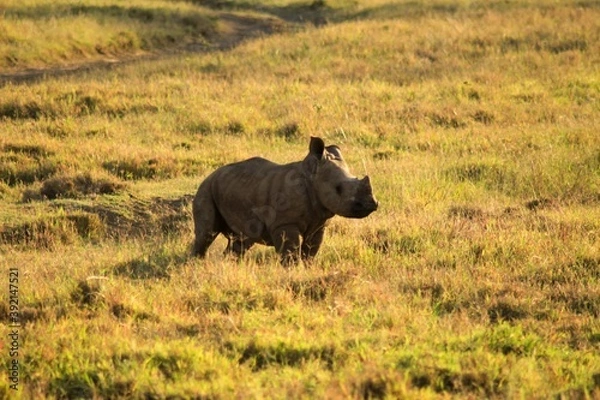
(335, 151)
(317, 147)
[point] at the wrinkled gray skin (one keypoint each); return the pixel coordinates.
(286, 206)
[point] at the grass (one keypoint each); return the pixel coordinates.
(476, 121)
(48, 33)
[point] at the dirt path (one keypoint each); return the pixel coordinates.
(234, 29)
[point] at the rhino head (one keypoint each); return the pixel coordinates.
(336, 188)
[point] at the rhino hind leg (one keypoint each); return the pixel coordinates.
(287, 244)
(208, 223)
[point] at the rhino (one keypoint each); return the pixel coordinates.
(285, 206)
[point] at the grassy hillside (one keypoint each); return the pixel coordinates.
(477, 121)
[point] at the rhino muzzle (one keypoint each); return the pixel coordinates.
(364, 203)
(363, 209)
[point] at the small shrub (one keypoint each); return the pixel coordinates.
(121, 311)
(537, 204)
(383, 155)
(484, 117)
(318, 4)
(182, 146)
(288, 131)
(448, 120)
(235, 128)
(74, 186)
(506, 311)
(124, 41)
(88, 293)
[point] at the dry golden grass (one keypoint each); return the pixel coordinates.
(477, 278)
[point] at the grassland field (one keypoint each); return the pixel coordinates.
(477, 121)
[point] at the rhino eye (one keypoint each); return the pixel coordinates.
(338, 189)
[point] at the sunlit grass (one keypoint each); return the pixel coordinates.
(49, 33)
(477, 277)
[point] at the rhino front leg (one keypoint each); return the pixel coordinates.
(287, 243)
(311, 245)
(238, 246)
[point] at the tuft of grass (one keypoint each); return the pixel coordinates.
(30, 150)
(467, 212)
(391, 242)
(491, 176)
(320, 288)
(258, 356)
(75, 186)
(137, 168)
(26, 164)
(289, 131)
(88, 293)
(49, 231)
(379, 384)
